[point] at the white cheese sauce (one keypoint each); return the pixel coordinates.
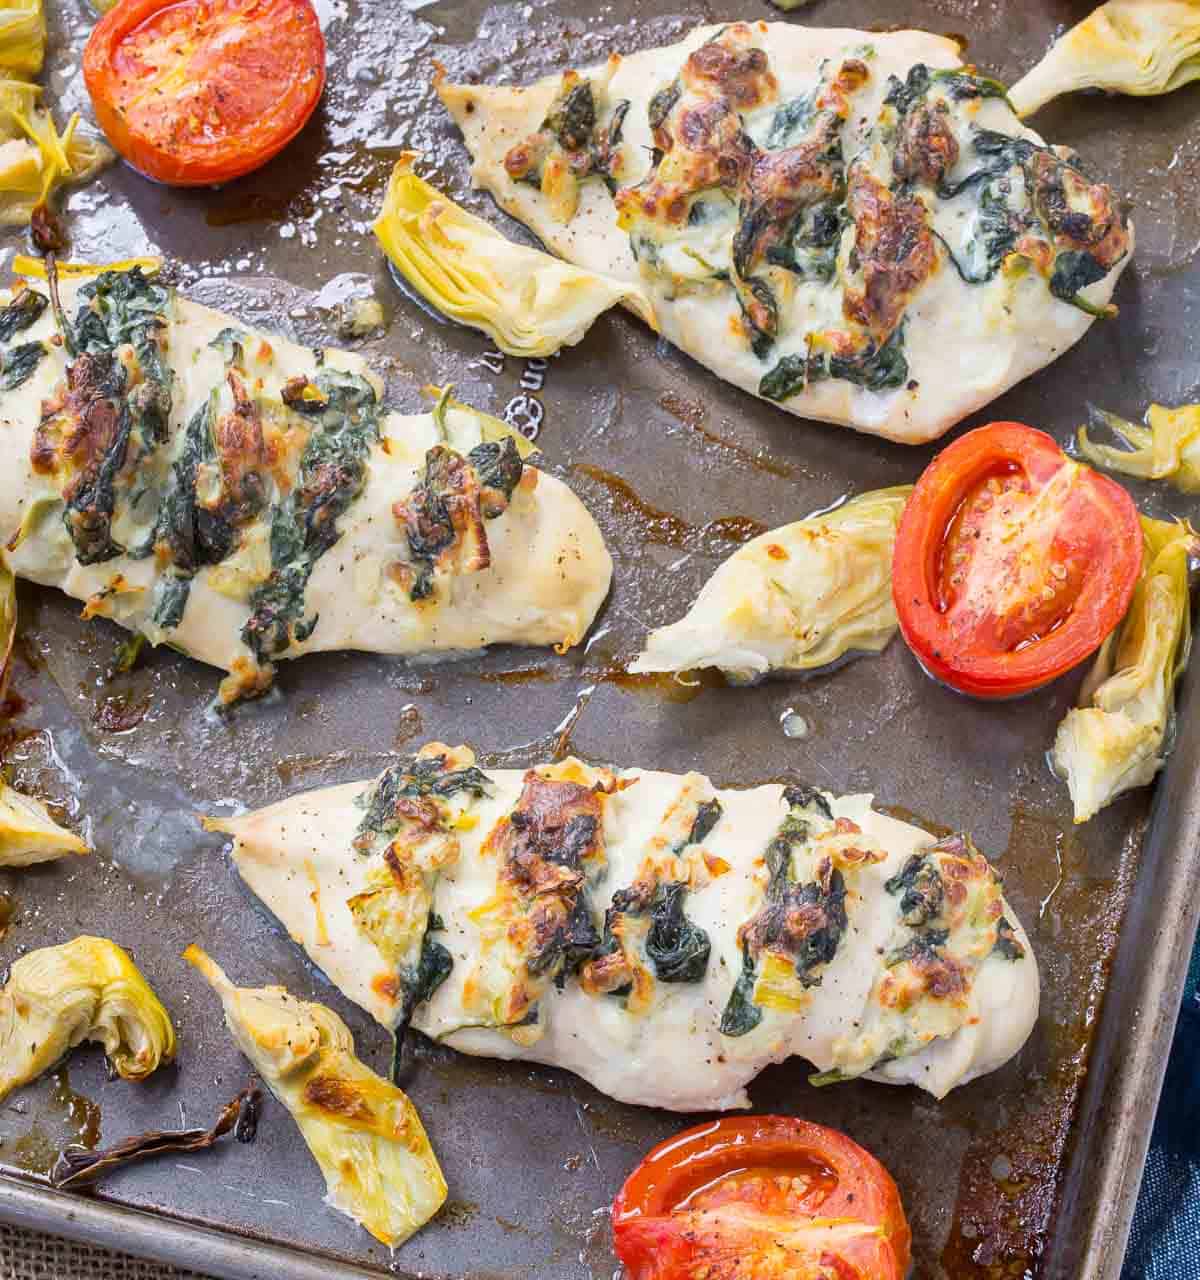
(297, 857)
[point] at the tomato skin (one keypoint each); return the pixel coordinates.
(198, 92)
(1046, 551)
(717, 1199)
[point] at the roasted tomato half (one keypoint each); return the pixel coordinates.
(1012, 562)
(193, 92)
(761, 1198)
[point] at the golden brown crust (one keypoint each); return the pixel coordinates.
(733, 68)
(894, 253)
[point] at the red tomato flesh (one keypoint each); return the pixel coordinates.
(192, 92)
(1012, 562)
(760, 1197)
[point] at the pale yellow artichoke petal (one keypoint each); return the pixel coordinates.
(35, 159)
(22, 37)
(793, 599)
(529, 303)
(28, 832)
(363, 1132)
(1115, 740)
(1138, 47)
(1168, 448)
(88, 989)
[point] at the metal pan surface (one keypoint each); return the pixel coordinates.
(1028, 1172)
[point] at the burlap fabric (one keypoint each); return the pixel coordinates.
(25, 1255)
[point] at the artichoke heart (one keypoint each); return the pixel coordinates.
(88, 989)
(363, 1132)
(1138, 47)
(35, 158)
(22, 37)
(793, 599)
(527, 302)
(28, 833)
(1166, 448)
(1115, 739)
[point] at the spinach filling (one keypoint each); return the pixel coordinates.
(999, 227)
(879, 368)
(18, 363)
(24, 311)
(494, 468)
(960, 85)
(790, 121)
(922, 894)
(117, 309)
(810, 249)
(434, 965)
(188, 534)
(1008, 945)
(433, 968)
(332, 474)
(804, 922)
(1074, 271)
(413, 778)
(564, 928)
(662, 104)
(575, 938)
(573, 122)
(677, 948)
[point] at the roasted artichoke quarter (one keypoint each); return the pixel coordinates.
(28, 833)
(527, 302)
(796, 598)
(363, 1132)
(88, 989)
(1139, 47)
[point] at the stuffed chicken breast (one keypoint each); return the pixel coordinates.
(664, 939)
(852, 224)
(245, 499)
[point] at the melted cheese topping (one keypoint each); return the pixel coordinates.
(674, 1054)
(549, 570)
(964, 343)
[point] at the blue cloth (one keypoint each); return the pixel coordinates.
(1165, 1241)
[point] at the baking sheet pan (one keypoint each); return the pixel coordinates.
(1031, 1171)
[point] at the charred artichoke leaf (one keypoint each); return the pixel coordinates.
(363, 1132)
(1139, 47)
(793, 599)
(1166, 448)
(79, 1166)
(527, 302)
(1115, 739)
(89, 989)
